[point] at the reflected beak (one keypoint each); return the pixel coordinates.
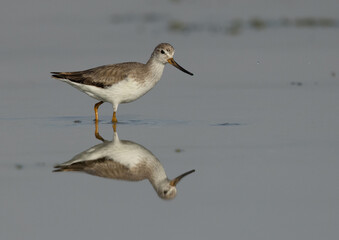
(172, 62)
(177, 179)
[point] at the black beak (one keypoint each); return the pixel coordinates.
(172, 62)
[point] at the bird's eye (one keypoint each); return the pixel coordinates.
(165, 192)
(162, 51)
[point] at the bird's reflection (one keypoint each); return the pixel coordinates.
(123, 160)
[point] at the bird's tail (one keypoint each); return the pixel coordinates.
(67, 168)
(59, 75)
(72, 76)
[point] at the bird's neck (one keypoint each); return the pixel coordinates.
(157, 176)
(156, 68)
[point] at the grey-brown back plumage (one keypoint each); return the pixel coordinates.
(107, 168)
(103, 76)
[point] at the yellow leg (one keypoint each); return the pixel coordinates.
(96, 106)
(114, 118)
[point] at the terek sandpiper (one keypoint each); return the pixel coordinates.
(122, 82)
(123, 160)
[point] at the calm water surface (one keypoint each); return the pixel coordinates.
(258, 123)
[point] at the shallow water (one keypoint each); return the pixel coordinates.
(257, 121)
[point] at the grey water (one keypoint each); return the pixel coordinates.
(265, 149)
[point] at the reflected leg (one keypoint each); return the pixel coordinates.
(96, 133)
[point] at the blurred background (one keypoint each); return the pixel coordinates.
(258, 120)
